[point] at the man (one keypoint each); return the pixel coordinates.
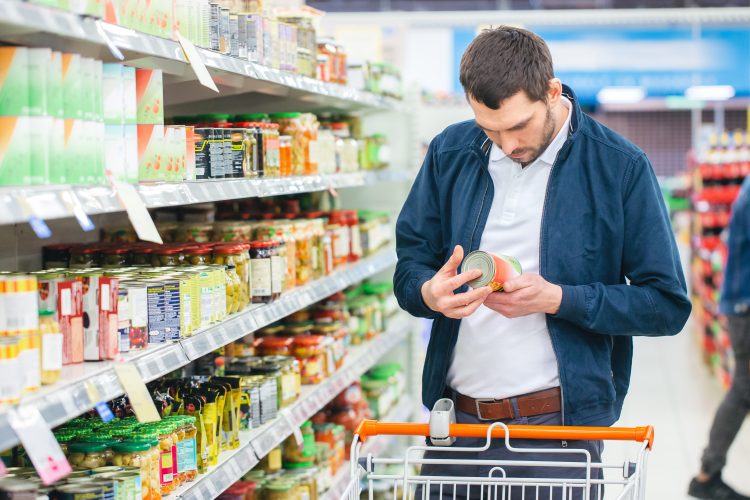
(735, 304)
(579, 206)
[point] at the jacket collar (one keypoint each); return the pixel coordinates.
(483, 144)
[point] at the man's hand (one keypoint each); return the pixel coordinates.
(438, 294)
(524, 295)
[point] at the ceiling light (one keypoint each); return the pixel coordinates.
(621, 95)
(710, 92)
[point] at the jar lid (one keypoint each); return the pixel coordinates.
(293, 114)
(265, 369)
(117, 251)
(168, 251)
(251, 117)
(384, 371)
(276, 342)
(228, 249)
(308, 340)
(86, 447)
(298, 465)
(262, 244)
(46, 312)
(131, 446)
(199, 251)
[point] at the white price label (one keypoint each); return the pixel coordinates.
(40, 444)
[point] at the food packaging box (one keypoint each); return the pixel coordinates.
(70, 317)
(14, 86)
(149, 96)
(72, 82)
(15, 146)
(150, 145)
(100, 333)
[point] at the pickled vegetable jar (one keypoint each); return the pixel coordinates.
(87, 455)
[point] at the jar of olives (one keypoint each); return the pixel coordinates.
(115, 257)
(82, 257)
(236, 255)
(87, 455)
(167, 257)
(198, 256)
(103, 438)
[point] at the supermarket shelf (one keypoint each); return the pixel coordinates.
(258, 442)
(239, 325)
(35, 25)
(375, 446)
(84, 385)
(56, 202)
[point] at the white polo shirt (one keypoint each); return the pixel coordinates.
(497, 357)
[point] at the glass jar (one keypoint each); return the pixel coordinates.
(326, 150)
(278, 269)
(197, 256)
(104, 438)
(281, 490)
(87, 455)
(196, 233)
(115, 257)
(355, 242)
(292, 451)
(165, 460)
(327, 57)
(303, 246)
(167, 257)
(51, 348)
(261, 271)
(137, 454)
(285, 155)
(338, 235)
(288, 378)
(309, 350)
(82, 257)
(273, 157)
(276, 346)
(317, 249)
(310, 129)
(290, 125)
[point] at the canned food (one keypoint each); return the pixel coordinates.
(128, 485)
(15, 488)
(79, 492)
(496, 269)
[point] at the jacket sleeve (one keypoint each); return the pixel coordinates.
(655, 301)
(419, 238)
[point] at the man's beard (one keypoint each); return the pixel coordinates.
(549, 129)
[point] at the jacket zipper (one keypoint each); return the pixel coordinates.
(541, 253)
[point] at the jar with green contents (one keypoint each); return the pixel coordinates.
(88, 455)
(115, 257)
(84, 257)
(233, 289)
(198, 256)
(154, 484)
(167, 257)
(382, 291)
(235, 255)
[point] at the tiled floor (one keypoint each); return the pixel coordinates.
(672, 389)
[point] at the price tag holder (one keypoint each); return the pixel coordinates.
(194, 58)
(139, 397)
(104, 412)
(40, 228)
(40, 444)
(137, 212)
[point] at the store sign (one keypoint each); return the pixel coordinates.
(665, 61)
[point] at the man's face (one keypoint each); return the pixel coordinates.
(521, 128)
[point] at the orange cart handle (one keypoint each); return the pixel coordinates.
(368, 428)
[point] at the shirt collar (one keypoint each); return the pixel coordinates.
(554, 147)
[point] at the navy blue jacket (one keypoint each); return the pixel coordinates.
(604, 222)
(735, 291)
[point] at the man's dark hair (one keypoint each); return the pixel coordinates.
(501, 61)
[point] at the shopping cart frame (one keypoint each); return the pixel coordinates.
(633, 482)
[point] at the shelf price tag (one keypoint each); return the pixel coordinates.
(40, 228)
(135, 388)
(74, 205)
(194, 58)
(40, 444)
(108, 41)
(137, 212)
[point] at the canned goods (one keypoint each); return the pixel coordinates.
(108, 486)
(79, 492)
(15, 488)
(496, 269)
(128, 484)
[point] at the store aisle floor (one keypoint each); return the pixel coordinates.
(672, 389)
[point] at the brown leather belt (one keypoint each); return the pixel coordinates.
(536, 403)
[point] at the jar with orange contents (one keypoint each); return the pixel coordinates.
(285, 155)
(309, 350)
(276, 346)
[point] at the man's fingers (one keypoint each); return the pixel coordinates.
(513, 284)
(463, 299)
(467, 310)
(454, 261)
(461, 279)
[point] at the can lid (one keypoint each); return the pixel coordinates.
(482, 261)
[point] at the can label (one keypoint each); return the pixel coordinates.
(496, 269)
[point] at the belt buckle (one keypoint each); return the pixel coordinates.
(483, 400)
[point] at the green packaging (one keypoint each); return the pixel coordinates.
(130, 106)
(74, 148)
(113, 94)
(149, 96)
(55, 107)
(150, 144)
(131, 153)
(72, 86)
(114, 151)
(14, 81)
(40, 124)
(87, 88)
(14, 150)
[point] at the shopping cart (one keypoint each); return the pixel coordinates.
(626, 480)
